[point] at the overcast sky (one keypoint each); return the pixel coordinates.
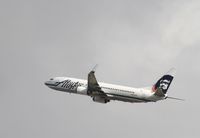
(134, 42)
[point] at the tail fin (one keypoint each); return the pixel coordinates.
(163, 83)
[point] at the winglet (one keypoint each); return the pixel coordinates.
(94, 68)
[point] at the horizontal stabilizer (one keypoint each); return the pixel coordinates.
(176, 98)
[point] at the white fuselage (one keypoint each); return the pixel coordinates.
(113, 92)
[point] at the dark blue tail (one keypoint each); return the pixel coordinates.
(164, 82)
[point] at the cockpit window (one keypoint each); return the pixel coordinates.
(51, 79)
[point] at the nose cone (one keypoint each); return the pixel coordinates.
(48, 83)
(51, 83)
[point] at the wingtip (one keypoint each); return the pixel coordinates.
(94, 68)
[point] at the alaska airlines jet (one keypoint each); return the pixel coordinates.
(104, 93)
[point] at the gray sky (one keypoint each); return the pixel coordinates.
(134, 42)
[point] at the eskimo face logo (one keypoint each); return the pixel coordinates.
(164, 84)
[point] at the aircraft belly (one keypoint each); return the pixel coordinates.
(126, 98)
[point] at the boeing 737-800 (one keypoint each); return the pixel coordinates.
(104, 93)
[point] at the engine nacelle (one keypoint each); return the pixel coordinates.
(82, 90)
(99, 99)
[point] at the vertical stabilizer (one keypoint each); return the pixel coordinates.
(163, 83)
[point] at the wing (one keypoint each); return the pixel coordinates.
(94, 90)
(93, 86)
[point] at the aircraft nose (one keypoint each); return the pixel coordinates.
(50, 83)
(47, 83)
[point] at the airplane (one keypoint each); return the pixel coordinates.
(104, 92)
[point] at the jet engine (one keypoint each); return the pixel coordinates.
(99, 99)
